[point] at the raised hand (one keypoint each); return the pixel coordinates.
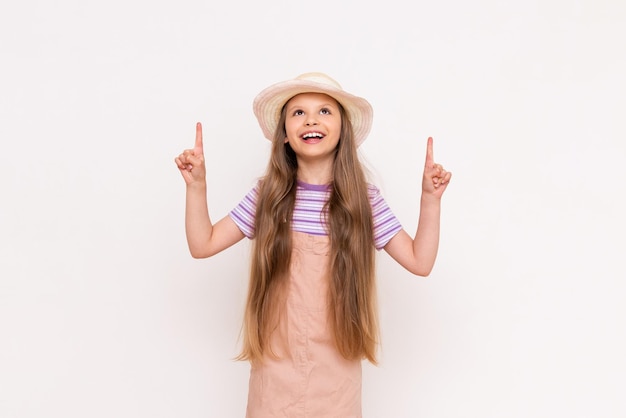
(191, 161)
(436, 179)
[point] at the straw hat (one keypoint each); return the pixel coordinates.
(269, 103)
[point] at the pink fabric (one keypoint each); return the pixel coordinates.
(310, 379)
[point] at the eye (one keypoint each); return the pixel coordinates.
(325, 111)
(298, 112)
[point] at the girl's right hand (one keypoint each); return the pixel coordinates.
(191, 161)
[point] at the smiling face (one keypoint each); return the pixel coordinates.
(313, 127)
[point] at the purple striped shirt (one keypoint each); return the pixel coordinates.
(307, 215)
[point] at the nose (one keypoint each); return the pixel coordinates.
(311, 120)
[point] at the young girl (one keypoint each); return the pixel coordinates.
(310, 316)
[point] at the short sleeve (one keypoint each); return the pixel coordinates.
(386, 225)
(244, 213)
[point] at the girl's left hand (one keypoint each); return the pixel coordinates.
(436, 179)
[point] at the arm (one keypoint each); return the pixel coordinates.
(204, 238)
(418, 255)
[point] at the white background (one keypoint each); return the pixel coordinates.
(103, 313)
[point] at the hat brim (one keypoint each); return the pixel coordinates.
(269, 103)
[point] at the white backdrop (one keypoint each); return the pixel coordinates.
(103, 312)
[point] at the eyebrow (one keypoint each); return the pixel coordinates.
(329, 104)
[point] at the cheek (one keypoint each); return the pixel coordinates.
(289, 131)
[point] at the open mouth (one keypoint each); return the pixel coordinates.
(312, 137)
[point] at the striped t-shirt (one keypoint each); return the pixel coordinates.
(308, 213)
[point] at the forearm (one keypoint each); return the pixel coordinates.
(198, 226)
(426, 241)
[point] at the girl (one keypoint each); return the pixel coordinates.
(310, 315)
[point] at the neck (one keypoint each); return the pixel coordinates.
(315, 173)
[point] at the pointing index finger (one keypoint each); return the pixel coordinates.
(198, 144)
(430, 159)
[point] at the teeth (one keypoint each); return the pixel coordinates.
(312, 135)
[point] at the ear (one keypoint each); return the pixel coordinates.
(286, 140)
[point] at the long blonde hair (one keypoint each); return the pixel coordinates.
(352, 292)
